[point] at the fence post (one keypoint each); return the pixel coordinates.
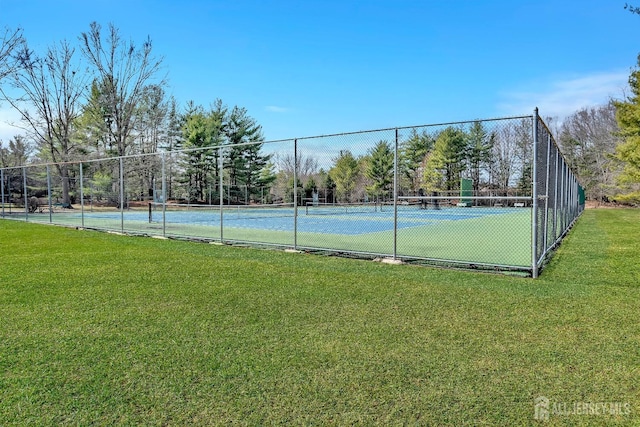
(49, 193)
(164, 197)
(570, 210)
(121, 194)
(24, 190)
(295, 194)
(91, 193)
(546, 198)
(81, 196)
(574, 198)
(534, 204)
(395, 197)
(565, 197)
(555, 196)
(560, 208)
(2, 190)
(221, 182)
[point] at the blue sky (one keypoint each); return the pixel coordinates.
(312, 67)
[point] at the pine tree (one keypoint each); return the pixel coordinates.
(628, 152)
(379, 169)
(344, 173)
(172, 141)
(413, 155)
(330, 188)
(479, 150)
(310, 187)
(244, 161)
(446, 161)
(201, 137)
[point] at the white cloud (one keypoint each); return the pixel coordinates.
(7, 131)
(276, 109)
(564, 97)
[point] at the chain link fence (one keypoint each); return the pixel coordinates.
(485, 194)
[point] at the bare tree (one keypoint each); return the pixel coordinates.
(306, 165)
(123, 71)
(50, 90)
(504, 164)
(151, 128)
(588, 140)
(151, 119)
(9, 42)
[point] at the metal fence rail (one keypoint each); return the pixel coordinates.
(492, 194)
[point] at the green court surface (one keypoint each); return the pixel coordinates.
(492, 236)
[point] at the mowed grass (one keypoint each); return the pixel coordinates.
(102, 329)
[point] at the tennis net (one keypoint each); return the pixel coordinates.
(340, 208)
(228, 211)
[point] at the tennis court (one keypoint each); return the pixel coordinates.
(430, 209)
(483, 235)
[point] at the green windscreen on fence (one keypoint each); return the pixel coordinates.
(466, 191)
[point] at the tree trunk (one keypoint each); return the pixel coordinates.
(63, 170)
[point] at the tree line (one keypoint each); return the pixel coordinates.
(601, 144)
(104, 96)
(429, 159)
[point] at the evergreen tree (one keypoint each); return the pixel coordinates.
(152, 113)
(379, 169)
(524, 149)
(202, 135)
(290, 190)
(310, 187)
(244, 161)
(446, 162)
(172, 141)
(330, 189)
(345, 174)
(92, 125)
(17, 153)
(628, 152)
(413, 153)
(265, 181)
(525, 181)
(151, 130)
(479, 152)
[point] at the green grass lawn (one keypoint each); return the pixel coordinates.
(103, 329)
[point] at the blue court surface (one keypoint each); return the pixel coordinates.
(329, 221)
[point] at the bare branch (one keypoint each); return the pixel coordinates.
(632, 9)
(50, 90)
(9, 42)
(124, 72)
